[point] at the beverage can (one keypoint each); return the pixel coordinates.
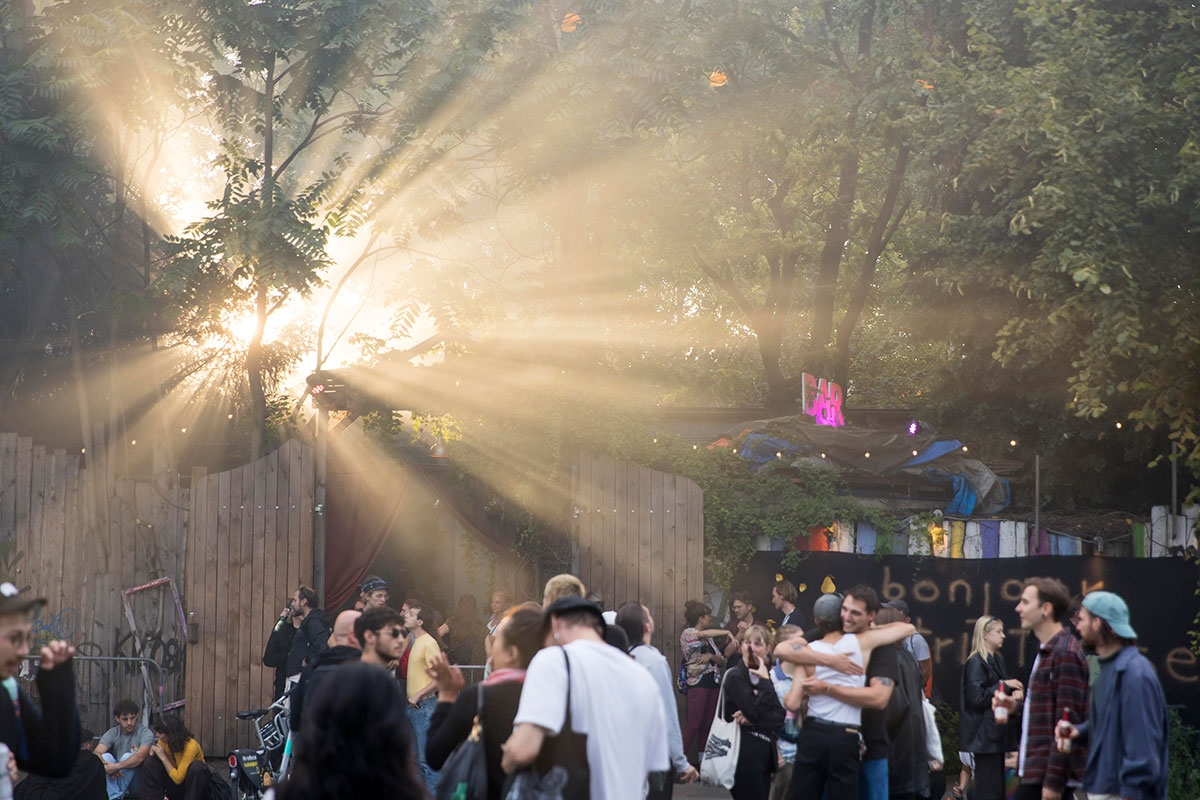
(6, 787)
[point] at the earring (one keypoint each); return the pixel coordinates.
(556, 636)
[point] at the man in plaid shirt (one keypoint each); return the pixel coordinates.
(1057, 684)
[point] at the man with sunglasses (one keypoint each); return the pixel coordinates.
(381, 632)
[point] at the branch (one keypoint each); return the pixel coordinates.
(725, 282)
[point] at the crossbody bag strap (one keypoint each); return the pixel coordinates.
(567, 716)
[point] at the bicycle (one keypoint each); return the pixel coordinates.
(250, 770)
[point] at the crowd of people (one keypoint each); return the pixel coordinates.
(576, 701)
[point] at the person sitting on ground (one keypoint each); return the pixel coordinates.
(357, 743)
(43, 741)
(123, 748)
(560, 586)
(85, 782)
(176, 770)
(518, 637)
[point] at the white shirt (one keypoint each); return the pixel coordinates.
(613, 700)
(822, 706)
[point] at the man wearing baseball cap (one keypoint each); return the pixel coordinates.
(43, 741)
(1126, 728)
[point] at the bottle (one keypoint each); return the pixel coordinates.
(1001, 712)
(1060, 734)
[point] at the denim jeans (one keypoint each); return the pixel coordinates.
(420, 717)
(128, 782)
(873, 780)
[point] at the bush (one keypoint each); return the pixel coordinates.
(1183, 779)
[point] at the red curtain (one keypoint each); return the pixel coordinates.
(364, 492)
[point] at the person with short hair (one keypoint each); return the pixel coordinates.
(45, 740)
(918, 645)
(741, 617)
(1126, 731)
(784, 597)
(123, 748)
(373, 593)
(312, 634)
(382, 635)
(827, 752)
(499, 604)
(85, 781)
(344, 647)
(1057, 684)
(611, 699)
(424, 652)
(637, 622)
(177, 770)
(560, 586)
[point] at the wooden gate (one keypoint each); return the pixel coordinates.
(249, 545)
(640, 535)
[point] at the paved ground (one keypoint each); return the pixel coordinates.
(695, 791)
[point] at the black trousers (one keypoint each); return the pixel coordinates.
(989, 777)
(662, 785)
(827, 761)
(756, 762)
(156, 783)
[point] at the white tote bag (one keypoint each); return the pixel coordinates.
(721, 749)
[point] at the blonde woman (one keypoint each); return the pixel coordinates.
(979, 734)
(750, 700)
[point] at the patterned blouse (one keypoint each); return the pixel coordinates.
(692, 647)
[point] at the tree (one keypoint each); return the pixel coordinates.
(1074, 187)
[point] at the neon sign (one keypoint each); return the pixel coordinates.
(822, 400)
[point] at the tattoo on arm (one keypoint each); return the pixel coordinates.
(883, 681)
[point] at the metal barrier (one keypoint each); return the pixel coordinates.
(99, 685)
(472, 673)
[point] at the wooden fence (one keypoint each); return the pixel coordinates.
(249, 545)
(640, 535)
(79, 537)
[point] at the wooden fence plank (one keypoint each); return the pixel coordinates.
(35, 510)
(24, 469)
(8, 486)
(989, 534)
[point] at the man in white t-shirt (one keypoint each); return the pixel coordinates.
(614, 701)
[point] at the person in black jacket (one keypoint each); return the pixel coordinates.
(43, 741)
(312, 635)
(978, 732)
(750, 700)
(279, 644)
(517, 638)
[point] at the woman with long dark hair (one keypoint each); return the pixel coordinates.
(978, 732)
(356, 741)
(175, 768)
(466, 633)
(518, 636)
(702, 662)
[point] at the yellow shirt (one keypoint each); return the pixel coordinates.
(424, 652)
(191, 752)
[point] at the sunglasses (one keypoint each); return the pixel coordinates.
(394, 631)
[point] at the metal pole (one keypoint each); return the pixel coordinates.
(1037, 494)
(322, 423)
(1174, 479)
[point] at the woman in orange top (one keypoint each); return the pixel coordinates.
(176, 768)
